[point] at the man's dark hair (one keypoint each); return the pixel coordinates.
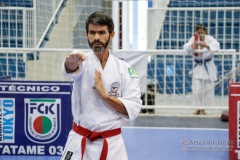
(100, 18)
(199, 26)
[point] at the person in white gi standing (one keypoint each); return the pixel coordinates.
(106, 93)
(204, 71)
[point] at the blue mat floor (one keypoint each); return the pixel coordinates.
(158, 143)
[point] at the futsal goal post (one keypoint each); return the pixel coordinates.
(167, 69)
(170, 70)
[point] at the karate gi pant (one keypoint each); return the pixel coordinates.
(203, 92)
(116, 148)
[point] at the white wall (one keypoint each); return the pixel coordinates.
(155, 22)
(134, 25)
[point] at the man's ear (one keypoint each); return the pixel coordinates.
(112, 34)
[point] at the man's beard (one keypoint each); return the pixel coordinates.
(98, 49)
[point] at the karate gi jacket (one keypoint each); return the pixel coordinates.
(90, 111)
(206, 70)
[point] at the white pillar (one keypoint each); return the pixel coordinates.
(155, 22)
(125, 25)
(115, 16)
(142, 25)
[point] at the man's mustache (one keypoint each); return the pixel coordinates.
(97, 41)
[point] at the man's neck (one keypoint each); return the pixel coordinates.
(103, 57)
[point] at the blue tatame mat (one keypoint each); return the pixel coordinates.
(144, 143)
(176, 144)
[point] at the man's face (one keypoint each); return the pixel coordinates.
(201, 33)
(98, 37)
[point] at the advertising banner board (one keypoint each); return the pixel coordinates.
(35, 117)
(234, 121)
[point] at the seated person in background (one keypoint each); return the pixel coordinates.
(150, 97)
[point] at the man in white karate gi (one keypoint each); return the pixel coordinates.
(204, 71)
(105, 94)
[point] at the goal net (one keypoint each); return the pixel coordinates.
(29, 24)
(48, 24)
(173, 23)
(37, 35)
(178, 21)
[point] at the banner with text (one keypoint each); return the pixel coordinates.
(234, 121)
(35, 117)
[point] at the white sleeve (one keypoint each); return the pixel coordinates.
(188, 46)
(214, 45)
(131, 95)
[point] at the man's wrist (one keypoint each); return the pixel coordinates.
(68, 70)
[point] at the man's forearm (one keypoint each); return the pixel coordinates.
(115, 103)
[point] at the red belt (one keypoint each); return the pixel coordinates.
(92, 136)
